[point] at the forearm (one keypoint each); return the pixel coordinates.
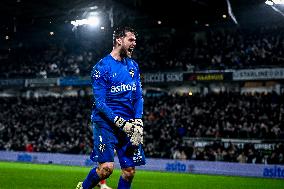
(138, 107)
(106, 110)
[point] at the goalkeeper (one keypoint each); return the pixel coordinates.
(117, 112)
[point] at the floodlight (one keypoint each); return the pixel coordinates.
(274, 2)
(92, 21)
(269, 3)
(278, 2)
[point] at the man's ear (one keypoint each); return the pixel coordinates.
(119, 41)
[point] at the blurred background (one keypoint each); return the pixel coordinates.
(212, 73)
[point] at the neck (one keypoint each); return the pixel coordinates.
(118, 54)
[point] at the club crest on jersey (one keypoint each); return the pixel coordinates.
(97, 74)
(131, 72)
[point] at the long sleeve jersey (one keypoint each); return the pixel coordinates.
(117, 90)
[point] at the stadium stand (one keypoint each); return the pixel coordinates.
(224, 126)
(241, 48)
(60, 124)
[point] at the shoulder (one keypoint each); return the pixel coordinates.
(103, 63)
(101, 67)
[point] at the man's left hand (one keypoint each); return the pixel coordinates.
(137, 122)
(136, 137)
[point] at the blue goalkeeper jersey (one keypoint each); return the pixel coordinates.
(116, 89)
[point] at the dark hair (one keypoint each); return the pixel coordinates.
(121, 32)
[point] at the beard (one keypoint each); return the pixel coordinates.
(125, 53)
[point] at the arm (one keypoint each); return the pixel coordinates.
(100, 84)
(137, 137)
(138, 98)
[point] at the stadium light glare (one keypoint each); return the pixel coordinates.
(276, 5)
(92, 21)
(278, 2)
(94, 7)
(269, 3)
(274, 2)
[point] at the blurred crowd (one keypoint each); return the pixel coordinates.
(49, 60)
(62, 124)
(46, 124)
(234, 48)
(214, 49)
(223, 115)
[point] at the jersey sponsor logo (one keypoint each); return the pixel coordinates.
(123, 88)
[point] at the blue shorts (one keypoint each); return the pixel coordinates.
(107, 140)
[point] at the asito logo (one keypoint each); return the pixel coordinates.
(176, 166)
(275, 171)
(123, 87)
